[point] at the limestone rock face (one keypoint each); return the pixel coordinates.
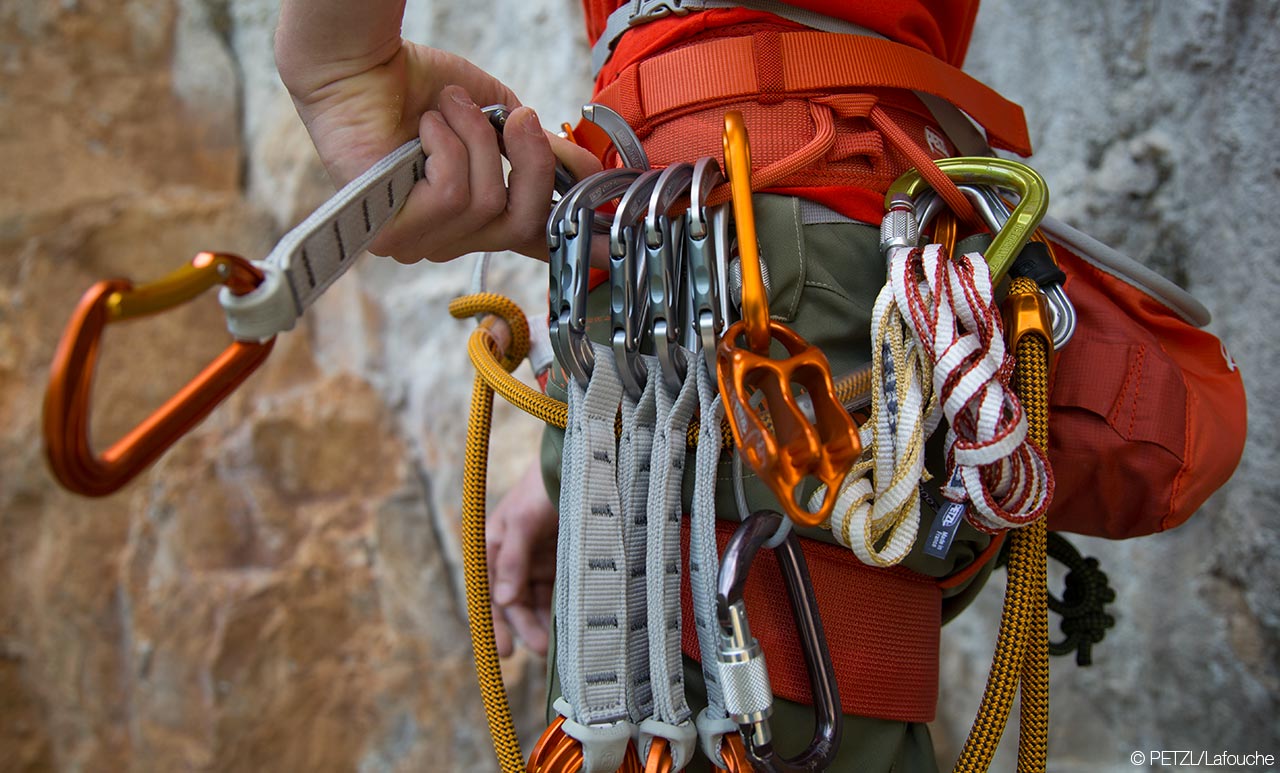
(282, 590)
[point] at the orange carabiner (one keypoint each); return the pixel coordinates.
(66, 403)
(794, 447)
(559, 752)
(734, 754)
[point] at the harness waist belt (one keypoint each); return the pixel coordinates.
(799, 64)
(636, 12)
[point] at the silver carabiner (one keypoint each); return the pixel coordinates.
(569, 237)
(629, 282)
(620, 133)
(703, 258)
(498, 115)
(664, 256)
(995, 213)
(744, 675)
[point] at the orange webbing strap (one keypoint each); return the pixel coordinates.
(795, 63)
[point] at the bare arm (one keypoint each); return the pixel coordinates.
(361, 90)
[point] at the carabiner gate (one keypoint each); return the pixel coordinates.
(629, 282)
(66, 404)
(664, 256)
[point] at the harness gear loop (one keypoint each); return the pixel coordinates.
(748, 695)
(67, 397)
(794, 447)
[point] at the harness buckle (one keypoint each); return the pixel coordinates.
(66, 404)
(794, 446)
(644, 11)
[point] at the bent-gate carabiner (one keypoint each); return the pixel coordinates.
(743, 675)
(67, 399)
(664, 257)
(629, 282)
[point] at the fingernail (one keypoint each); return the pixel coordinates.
(505, 593)
(532, 124)
(460, 95)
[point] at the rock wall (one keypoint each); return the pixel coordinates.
(282, 590)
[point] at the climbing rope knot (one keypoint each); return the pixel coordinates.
(1085, 597)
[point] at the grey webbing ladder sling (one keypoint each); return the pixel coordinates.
(671, 715)
(591, 599)
(635, 447)
(324, 246)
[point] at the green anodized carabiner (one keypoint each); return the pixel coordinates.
(1033, 194)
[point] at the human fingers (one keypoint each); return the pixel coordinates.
(511, 565)
(486, 189)
(529, 185)
(528, 627)
(578, 160)
(415, 232)
(502, 633)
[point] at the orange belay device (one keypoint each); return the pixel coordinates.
(794, 447)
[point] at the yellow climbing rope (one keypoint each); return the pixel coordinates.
(1021, 652)
(483, 348)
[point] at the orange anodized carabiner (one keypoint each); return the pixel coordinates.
(794, 447)
(66, 402)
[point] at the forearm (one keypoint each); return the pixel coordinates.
(319, 42)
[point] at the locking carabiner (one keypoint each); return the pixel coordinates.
(743, 674)
(1031, 188)
(795, 446)
(67, 399)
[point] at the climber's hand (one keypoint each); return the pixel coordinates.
(362, 91)
(521, 541)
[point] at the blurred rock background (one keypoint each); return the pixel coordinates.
(282, 590)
